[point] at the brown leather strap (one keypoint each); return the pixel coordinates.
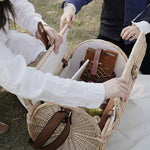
(60, 139)
(106, 113)
(43, 35)
(96, 61)
(60, 116)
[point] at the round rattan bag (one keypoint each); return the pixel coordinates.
(84, 133)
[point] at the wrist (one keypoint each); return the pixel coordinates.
(70, 7)
(143, 26)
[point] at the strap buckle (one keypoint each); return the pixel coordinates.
(69, 114)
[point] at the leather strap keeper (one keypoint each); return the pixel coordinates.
(96, 61)
(105, 115)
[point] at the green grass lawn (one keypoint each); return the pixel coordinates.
(12, 112)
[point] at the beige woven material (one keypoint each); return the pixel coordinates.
(85, 133)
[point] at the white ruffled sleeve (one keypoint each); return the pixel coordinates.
(26, 16)
(27, 82)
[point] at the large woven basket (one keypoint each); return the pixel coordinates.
(85, 133)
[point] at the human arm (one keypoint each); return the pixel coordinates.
(71, 7)
(28, 19)
(27, 82)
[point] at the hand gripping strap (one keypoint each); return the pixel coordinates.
(60, 116)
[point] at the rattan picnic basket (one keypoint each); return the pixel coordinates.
(84, 133)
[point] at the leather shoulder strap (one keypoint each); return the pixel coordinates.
(60, 116)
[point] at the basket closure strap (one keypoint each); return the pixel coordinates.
(62, 116)
(106, 113)
(96, 61)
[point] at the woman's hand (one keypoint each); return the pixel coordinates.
(116, 87)
(130, 33)
(67, 17)
(53, 37)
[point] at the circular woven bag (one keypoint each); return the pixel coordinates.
(85, 133)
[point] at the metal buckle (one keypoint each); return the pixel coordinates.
(134, 72)
(69, 113)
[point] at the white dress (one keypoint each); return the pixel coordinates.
(19, 49)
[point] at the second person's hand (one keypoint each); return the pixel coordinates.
(68, 16)
(130, 33)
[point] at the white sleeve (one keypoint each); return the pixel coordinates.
(27, 82)
(26, 16)
(143, 26)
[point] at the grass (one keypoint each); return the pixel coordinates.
(85, 27)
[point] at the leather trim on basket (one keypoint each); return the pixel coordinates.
(43, 35)
(106, 113)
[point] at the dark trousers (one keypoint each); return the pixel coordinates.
(145, 67)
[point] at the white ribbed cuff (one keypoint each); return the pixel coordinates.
(69, 4)
(143, 26)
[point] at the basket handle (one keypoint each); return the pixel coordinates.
(62, 116)
(96, 61)
(132, 67)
